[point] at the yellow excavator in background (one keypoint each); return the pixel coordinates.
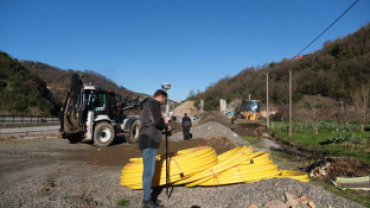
(251, 113)
(251, 110)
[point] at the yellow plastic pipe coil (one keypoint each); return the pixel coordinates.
(201, 166)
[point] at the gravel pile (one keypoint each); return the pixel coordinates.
(258, 193)
(208, 129)
(103, 191)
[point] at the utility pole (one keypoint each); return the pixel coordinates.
(201, 105)
(290, 104)
(267, 100)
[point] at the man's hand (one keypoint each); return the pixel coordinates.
(165, 120)
(169, 128)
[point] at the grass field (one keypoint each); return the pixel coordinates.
(349, 142)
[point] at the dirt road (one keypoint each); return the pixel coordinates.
(54, 173)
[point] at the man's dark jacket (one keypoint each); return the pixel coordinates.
(186, 123)
(152, 124)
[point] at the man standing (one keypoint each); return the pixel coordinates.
(186, 126)
(152, 125)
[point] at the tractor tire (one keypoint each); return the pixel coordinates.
(134, 132)
(103, 134)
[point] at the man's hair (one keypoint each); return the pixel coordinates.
(160, 92)
(185, 114)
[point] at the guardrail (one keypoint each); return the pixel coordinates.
(28, 119)
(28, 131)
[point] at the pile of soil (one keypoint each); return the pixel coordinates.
(211, 128)
(220, 144)
(341, 167)
(246, 130)
(119, 155)
(243, 130)
(185, 107)
(178, 127)
(213, 117)
(347, 167)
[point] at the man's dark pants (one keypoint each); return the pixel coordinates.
(186, 130)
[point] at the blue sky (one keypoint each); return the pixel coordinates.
(140, 44)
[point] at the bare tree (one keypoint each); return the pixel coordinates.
(315, 115)
(361, 100)
(191, 94)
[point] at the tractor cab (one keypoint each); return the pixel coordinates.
(100, 101)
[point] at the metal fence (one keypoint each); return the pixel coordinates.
(304, 126)
(28, 119)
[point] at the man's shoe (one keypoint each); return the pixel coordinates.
(150, 204)
(157, 201)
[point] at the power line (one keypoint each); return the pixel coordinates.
(349, 8)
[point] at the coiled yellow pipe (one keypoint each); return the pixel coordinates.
(201, 166)
(180, 166)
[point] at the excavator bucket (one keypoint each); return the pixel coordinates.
(73, 109)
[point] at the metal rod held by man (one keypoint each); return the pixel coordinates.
(166, 86)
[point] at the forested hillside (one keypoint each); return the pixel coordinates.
(335, 71)
(38, 88)
(59, 80)
(22, 91)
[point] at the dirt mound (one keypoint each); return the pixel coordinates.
(178, 127)
(213, 117)
(215, 123)
(120, 155)
(242, 129)
(220, 144)
(186, 107)
(211, 128)
(340, 167)
(245, 130)
(347, 167)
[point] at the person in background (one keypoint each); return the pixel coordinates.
(152, 124)
(186, 126)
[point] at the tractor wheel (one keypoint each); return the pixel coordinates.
(134, 132)
(103, 134)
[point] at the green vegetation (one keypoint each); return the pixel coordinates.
(362, 197)
(255, 141)
(342, 138)
(350, 144)
(278, 156)
(251, 139)
(123, 202)
(22, 91)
